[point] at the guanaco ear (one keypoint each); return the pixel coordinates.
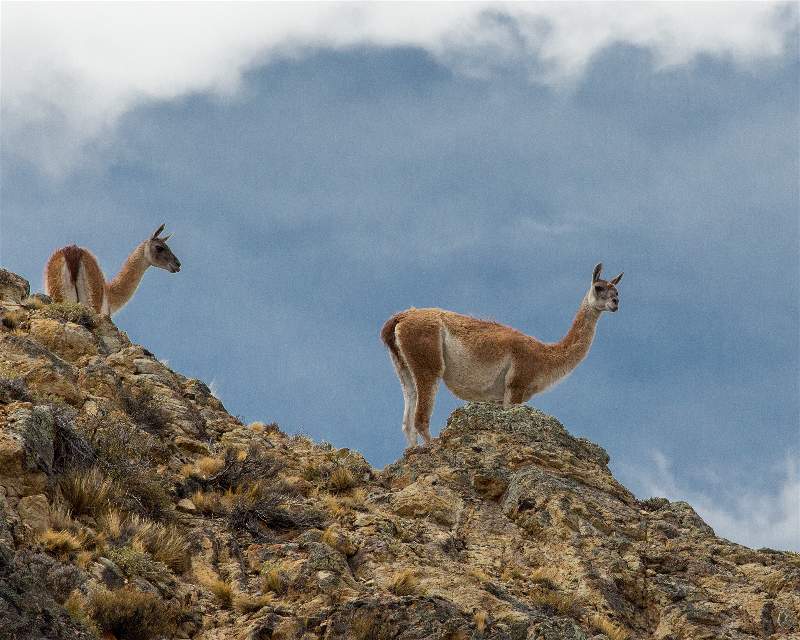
(615, 281)
(156, 232)
(167, 237)
(596, 274)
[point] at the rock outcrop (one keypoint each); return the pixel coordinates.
(132, 505)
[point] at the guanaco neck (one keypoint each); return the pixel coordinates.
(567, 353)
(124, 284)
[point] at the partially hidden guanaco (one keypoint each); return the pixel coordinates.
(72, 274)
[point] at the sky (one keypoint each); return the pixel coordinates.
(324, 166)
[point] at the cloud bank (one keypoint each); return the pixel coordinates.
(751, 518)
(72, 70)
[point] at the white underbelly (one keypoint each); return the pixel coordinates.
(469, 378)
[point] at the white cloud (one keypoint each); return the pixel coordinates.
(750, 518)
(71, 70)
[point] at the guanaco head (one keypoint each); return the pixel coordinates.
(603, 295)
(159, 254)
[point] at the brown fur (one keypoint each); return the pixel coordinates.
(483, 360)
(85, 282)
(75, 259)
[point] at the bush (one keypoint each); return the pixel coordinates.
(144, 410)
(274, 511)
(128, 455)
(239, 468)
(133, 615)
(135, 562)
(71, 449)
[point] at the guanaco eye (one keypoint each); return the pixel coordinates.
(598, 288)
(159, 249)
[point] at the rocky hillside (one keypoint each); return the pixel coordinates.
(133, 506)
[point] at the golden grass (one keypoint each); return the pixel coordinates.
(61, 517)
(480, 618)
(356, 500)
(204, 467)
(87, 492)
(275, 580)
(222, 590)
(165, 543)
(561, 603)
(246, 603)
(546, 576)
(208, 502)
(604, 625)
(405, 583)
(133, 615)
(61, 543)
(337, 538)
(77, 607)
(341, 479)
(479, 574)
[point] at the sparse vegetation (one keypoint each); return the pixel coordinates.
(274, 579)
(165, 543)
(222, 590)
(134, 561)
(247, 603)
(337, 538)
(60, 543)
(13, 390)
(341, 479)
(604, 625)
(130, 614)
(555, 601)
(405, 583)
(69, 312)
(87, 492)
(546, 576)
(141, 405)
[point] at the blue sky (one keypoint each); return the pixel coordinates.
(317, 187)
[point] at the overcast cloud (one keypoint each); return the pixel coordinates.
(71, 70)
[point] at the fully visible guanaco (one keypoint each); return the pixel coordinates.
(72, 274)
(481, 360)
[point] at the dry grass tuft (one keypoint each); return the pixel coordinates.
(129, 614)
(61, 543)
(165, 543)
(77, 608)
(405, 583)
(604, 625)
(223, 591)
(274, 580)
(341, 479)
(246, 603)
(561, 603)
(480, 618)
(61, 518)
(337, 538)
(87, 492)
(203, 468)
(545, 576)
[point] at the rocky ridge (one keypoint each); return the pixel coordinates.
(133, 506)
